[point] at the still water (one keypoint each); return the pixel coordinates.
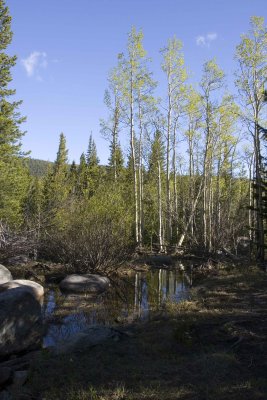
(129, 299)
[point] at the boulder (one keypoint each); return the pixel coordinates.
(21, 327)
(35, 289)
(88, 338)
(5, 275)
(89, 283)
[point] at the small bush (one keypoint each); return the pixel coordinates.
(15, 242)
(96, 244)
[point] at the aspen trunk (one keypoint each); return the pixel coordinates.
(175, 179)
(140, 173)
(115, 137)
(160, 208)
(192, 183)
(259, 205)
(182, 237)
(134, 162)
(168, 192)
(250, 216)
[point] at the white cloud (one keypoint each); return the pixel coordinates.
(200, 40)
(37, 60)
(205, 40)
(212, 36)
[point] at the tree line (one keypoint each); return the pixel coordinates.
(189, 177)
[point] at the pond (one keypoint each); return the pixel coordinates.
(129, 299)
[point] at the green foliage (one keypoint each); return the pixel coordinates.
(61, 162)
(96, 235)
(173, 62)
(116, 160)
(91, 156)
(82, 179)
(13, 172)
(88, 214)
(251, 54)
(38, 168)
(56, 186)
(157, 155)
(14, 181)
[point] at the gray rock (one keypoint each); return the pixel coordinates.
(5, 375)
(88, 283)
(88, 338)
(35, 289)
(21, 325)
(20, 377)
(5, 275)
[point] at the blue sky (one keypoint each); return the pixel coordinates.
(66, 48)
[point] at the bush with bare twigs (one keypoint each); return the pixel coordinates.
(15, 242)
(96, 244)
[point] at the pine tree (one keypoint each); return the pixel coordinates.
(93, 170)
(56, 184)
(34, 217)
(82, 177)
(72, 177)
(61, 162)
(91, 156)
(13, 171)
(115, 160)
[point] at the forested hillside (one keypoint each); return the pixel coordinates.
(39, 168)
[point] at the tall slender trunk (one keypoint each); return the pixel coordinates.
(182, 237)
(207, 182)
(160, 208)
(175, 179)
(140, 172)
(205, 200)
(217, 216)
(168, 190)
(191, 179)
(259, 197)
(250, 211)
(210, 211)
(137, 240)
(115, 138)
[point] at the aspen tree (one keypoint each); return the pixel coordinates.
(176, 74)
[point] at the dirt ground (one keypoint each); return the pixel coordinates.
(212, 347)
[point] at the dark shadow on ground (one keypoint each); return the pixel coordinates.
(212, 347)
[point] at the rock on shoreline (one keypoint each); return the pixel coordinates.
(88, 283)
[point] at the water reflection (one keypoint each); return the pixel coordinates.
(129, 299)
